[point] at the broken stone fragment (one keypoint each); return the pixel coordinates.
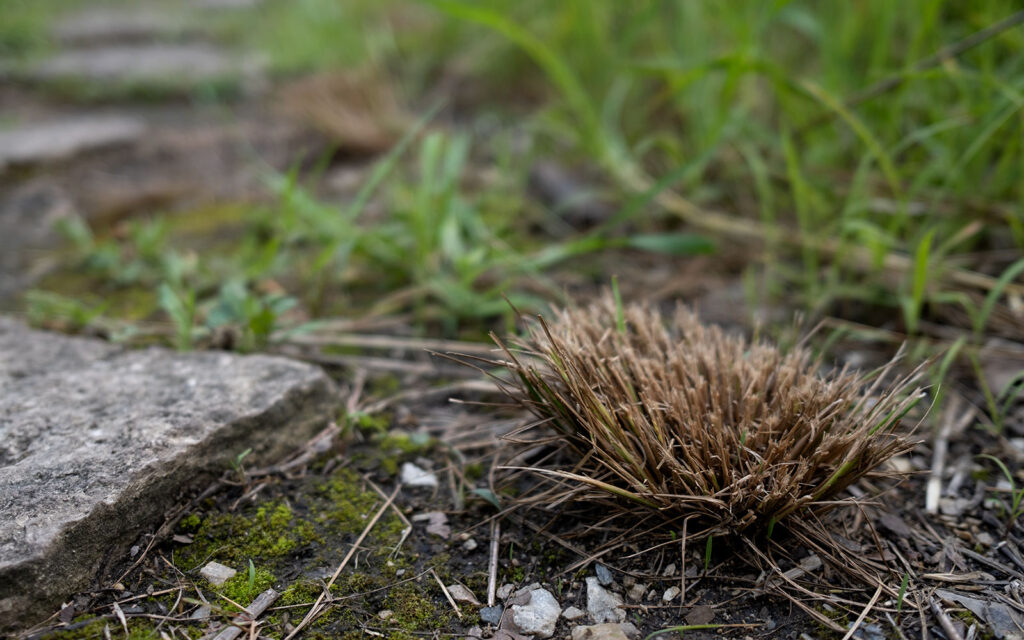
(460, 593)
(605, 631)
(539, 616)
(216, 573)
(572, 613)
(636, 592)
(491, 615)
(414, 476)
(437, 523)
(602, 605)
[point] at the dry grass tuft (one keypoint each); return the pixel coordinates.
(682, 419)
(358, 110)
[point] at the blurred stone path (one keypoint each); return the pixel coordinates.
(97, 441)
(112, 125)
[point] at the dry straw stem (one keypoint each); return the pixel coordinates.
(690, 422)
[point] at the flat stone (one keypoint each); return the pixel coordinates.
(460, 593)
(108, 25)
(670, 594)
(97, 442)
(65, 137)
(572, 613)
(604, 574)
(539, 616)
(151, 64)
(605, 631)
(217, 573)
(491, 615)
(603, 605)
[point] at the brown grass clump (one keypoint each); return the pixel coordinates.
(691, 423)
(358, 110)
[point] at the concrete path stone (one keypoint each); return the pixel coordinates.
(64, 137)
(150, 64)
(97, 441)
(108, 25)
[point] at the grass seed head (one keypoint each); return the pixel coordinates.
(678, 417)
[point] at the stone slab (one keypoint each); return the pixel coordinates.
(150, 64)
(61, 138)
(97, 441)
(109, 25)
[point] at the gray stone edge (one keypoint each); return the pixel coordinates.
(36, 588)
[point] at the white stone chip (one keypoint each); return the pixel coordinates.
(572, 613)
(539, 616)
(216, 573)
(414, 476)
(602, 605)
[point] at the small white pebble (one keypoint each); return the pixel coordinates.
(216, 573)
(572, 613)
(414, 476)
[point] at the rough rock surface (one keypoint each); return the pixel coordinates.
(97, 441)
(539, 616)
(603, 605)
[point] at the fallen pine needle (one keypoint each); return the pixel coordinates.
(863, 614)
(447, 595)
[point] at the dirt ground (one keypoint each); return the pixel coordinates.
(332, 529)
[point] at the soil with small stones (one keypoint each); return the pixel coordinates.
(964, 565)
(967, 556)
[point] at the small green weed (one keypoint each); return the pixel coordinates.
(1016, 506)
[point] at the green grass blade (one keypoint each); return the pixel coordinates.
(903, 591)
(1008, 276)
(387, 164)
(913, 305)
(620, 317)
